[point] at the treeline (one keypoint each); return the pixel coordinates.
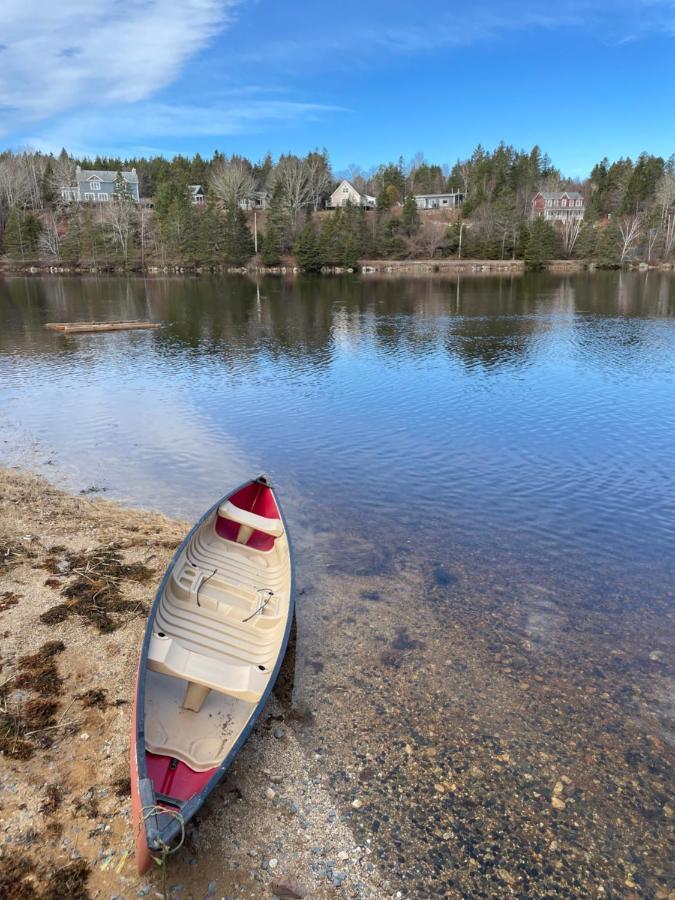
(630, 211)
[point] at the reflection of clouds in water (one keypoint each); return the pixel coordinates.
(151, 447)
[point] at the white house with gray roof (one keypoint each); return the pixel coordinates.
(98, 185)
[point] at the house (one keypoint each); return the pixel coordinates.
(98, 186)
(345, 194)
(439, 201)
(558, 206)
(197, 195)
(257, 200)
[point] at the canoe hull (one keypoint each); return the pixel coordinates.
(169, 787)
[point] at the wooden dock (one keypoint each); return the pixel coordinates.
(81, 327)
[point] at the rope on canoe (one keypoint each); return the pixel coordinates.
(166, 850)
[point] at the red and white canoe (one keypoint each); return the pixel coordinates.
(214, 643)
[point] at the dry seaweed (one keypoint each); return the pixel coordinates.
(70, 881)
(7, 600)
(53, 799)
(13, 552)
(122, 786)
(94, 590)
(15, 872)
(38, 671)
(97, 697)
(12, 742)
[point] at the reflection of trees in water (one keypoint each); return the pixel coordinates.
(485, 321)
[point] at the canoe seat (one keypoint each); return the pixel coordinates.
(244, 527)
(204, 673)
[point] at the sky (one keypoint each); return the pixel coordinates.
(370, 80)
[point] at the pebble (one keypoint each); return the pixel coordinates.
(270, 794)
(143, 891)
(273, 863)
(211, 889)
(288, 888)
(558, 789)
(279, 733)
(557, 803)
(343, 855)
(357, 804)
(276, 779)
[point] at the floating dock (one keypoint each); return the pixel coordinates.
(80, 327)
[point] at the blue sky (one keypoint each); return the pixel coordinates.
(370, 80)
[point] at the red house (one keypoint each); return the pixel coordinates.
(558, 206)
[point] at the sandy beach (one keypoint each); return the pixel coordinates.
(67, 679)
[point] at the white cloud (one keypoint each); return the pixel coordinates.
(97, 53)
(135, 127)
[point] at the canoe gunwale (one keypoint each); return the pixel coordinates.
(163, 829)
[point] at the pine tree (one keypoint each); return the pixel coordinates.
(238, 240)
(410, 217)
(277, 223)
(122, 190)
(21, 236)
(13, 239)
(307, 249)
(608, 247)
(539, 247)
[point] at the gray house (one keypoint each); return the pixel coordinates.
(98, 186)
(450, 200)
(257, 200)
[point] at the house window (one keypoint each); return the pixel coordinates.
(345, 190)
(95, 185)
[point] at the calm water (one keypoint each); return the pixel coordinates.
(479, 475)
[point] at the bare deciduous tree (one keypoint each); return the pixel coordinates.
(232, 181)
(119, 216)
(50, 240)
(669, 235)
(319, 178)
(291, 173)
(631, 232)
(570, 233)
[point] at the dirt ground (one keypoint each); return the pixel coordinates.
(67, 663)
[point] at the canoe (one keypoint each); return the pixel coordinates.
(83, 327)
(215, 639)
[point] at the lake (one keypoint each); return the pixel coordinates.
(479, 479)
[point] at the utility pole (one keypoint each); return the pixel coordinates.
(255, 231)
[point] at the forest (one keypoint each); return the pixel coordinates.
(629, 212)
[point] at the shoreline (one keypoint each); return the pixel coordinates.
(64, 783)
(366, 268)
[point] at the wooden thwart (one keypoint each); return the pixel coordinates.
(75, 327)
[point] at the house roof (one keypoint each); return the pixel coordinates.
(195, 188)
(556, 195)
(443, 194)
(107, 175)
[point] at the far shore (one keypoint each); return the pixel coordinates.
(369, 267)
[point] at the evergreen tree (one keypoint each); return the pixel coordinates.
(585, 245)
(238, 240)
(608, 247)
(210, 235)
(122, 189)
(410, 217)
(307, 249)
(277, 228)
(22, 233)
(539, 247)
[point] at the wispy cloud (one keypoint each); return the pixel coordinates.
(56, 55)
(136, 126)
